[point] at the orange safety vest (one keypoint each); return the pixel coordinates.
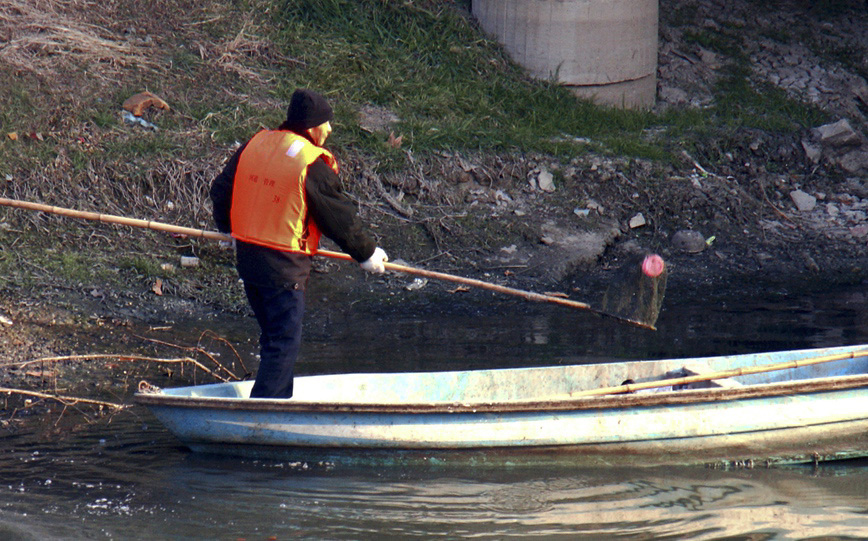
(268, 203)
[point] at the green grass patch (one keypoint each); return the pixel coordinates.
(74, 266)
(229, 122)
(739, 103)
(101, 117)
(452, 88)
(16, 102)
(141, 265)
(456, 90)
(142, 143)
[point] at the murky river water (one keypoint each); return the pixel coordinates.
(129, 479)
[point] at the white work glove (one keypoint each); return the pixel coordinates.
(375, 262)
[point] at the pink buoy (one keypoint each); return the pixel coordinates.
(653, 266)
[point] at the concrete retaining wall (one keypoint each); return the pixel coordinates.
(605, 50)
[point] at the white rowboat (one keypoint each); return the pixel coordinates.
(726, 409)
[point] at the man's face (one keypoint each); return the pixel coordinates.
(320, 133)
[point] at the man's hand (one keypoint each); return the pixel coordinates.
(375, 262)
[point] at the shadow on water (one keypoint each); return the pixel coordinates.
(130, 479)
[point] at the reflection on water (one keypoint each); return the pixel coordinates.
(130, 479)
(138, 481)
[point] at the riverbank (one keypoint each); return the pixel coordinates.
(750, 171)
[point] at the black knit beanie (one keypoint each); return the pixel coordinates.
(307, 109)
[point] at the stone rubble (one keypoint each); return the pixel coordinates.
(782, 51)
(761, 194)
(804, 202)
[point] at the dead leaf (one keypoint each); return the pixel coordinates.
(158, 287)
(460, 289)
(12, 135)
(395, 142)
(556, 294)
(138, 103)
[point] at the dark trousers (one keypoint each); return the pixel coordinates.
(279, 312)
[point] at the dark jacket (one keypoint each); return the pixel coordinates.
(328, 205)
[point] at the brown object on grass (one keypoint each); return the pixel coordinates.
(141, 101)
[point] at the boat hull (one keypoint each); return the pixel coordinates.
(787, 421)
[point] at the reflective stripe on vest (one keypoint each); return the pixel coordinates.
(268, 202)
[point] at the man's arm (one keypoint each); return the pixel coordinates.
(335, 213)
(221, 192)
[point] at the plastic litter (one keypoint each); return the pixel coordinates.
(130, 118)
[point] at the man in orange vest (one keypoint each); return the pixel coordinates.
(277, 194)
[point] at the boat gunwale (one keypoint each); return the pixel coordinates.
(612, 401)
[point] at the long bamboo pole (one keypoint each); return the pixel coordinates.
(743, 371)
(214, 235)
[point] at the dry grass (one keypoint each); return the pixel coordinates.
(41, 35)
(88, 51)
(230, 56)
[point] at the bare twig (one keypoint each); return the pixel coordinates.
(192, 349)
(65, 400)
(227, 343)
(124, 358)
(407, 212)
(792, 224)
